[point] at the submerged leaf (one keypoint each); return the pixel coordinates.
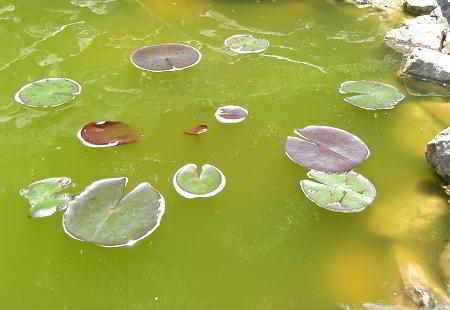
(105, 134)
(375, 95)
(346, 192)
(231, 114)
(326, 149)
(49, 92)
(44, 198)
(189, 182)
(197, 130)
(101, 214)
(165, 57)
(245, 43)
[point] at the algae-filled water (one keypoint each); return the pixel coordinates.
(259, 244)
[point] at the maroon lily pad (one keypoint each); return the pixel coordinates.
(197, 130)
(231, 114)
(165, 57)
(326, 149)
(106, 133)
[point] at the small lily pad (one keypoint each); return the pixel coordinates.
(197, 130)
(50, 92)
(106, 134)
(165, 57)
(347, 192)
(191, 182)
(326, 149)
(101, 214)
(231, 114)
(246, 43)
(374, 95)
(44, 198)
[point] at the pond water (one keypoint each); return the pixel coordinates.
(259, 244)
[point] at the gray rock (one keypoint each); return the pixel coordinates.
(438, 154)
(419, 7)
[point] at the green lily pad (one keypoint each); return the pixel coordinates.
(101, 214)
(191, 182)
(374, 95)
(346, 192)
(50, 92)
(245, 44)
(44, 198)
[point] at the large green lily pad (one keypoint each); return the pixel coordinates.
(346, 192)
(374, 95)
(44, 198)
(101, 214)
(245, 44)
(191, 182)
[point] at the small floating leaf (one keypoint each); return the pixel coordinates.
(189, 182)
(105, 134)
(165, 57)
(44, 198)
(326, 149)
(375, 95)
(101, 214)
(49, 92)
(245, 43)
(197, 130)
(347, 192)
(231, 114)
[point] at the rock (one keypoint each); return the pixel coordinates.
(419, 7)
(444, 6)
(438, 154)
(388, 5)
(444, 263)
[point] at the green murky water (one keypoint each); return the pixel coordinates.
(260, 244)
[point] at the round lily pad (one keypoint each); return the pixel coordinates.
(103, 215)
(165, 57)
(326, 149)
(50, 92)
(44, 198)
(374, 95)
(347, 192)
(231, 114)
(246, 43)
(191, 182)
(106, 134)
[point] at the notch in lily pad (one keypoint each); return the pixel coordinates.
(103, 215)
(246, 43)
(326, 149)
(231, 114)
(191, 182)
(348, 192)
(50, 92)
(165, 57)
(373, 95)
(106, 134)
(45, 198)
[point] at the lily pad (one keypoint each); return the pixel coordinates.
(165, 57)
(101, 214)
(50, 92)
(347, 192)
(246, 43)
(106, 134)
(191, 182)
(326, 149)
(374, 95)
(231, 114)
(197, 130)
(44, 198)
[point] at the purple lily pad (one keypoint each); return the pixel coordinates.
(165, 57)
(326, 149)
(105, 134)
(231, 114)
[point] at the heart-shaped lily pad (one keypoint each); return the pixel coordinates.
(231, 114)
(246, 43)
(50, 92)
(44, 198)
(347, 192)
(326, 149)
(165, 57)
(375, 95)
(106, 134)
(191, 182)
(101, 214)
